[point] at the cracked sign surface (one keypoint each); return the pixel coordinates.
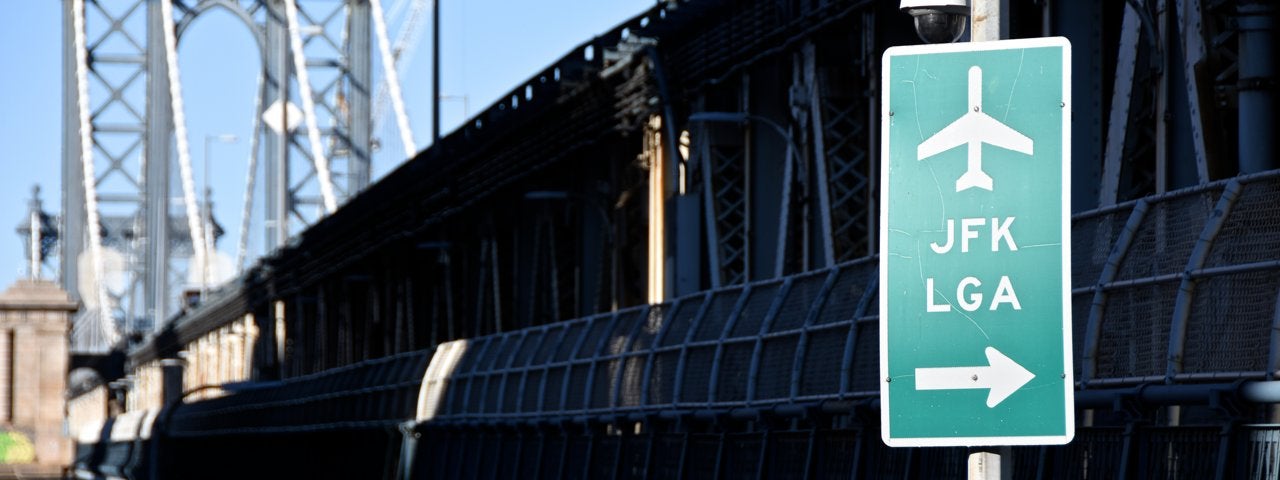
(975, 310)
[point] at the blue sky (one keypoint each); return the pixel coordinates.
(488, 47)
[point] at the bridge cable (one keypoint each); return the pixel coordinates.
(243, 246)
(176, 105)
(309, 107)
(393, 79)
(94, 227)
(402, 52)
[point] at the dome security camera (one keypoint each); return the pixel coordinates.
(938, 21)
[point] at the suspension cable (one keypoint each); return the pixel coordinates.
(105, 324)
(308, 106)
(243, 246)
(393, 79)
(402, 52)
(194, 224)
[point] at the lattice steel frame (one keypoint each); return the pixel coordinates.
(126, 54)
(725, 181)
(844, 141)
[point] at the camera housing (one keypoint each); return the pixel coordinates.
(938, 21)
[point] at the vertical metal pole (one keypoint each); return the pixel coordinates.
(435, 72)
(1121, 98)
(276, 187)
(823, 187)
(359, 78)
(989, 22)
(871, 70)
(1194, 51)
(1257, 86)
(156, 294)
(991, 463)
(1162, 98)
(73, 214)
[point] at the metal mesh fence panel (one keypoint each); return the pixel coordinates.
(682, 321)
(569, 341)
(511, 391)
(777, 359)
(1080, 306)
(551, 341)
(866, 361)
(575, 456)
(1091, 240)
(604, 456)
(631, 386)
(880, 461)
(800, 300)
(702, 455)
(1166, 236)
(597, 332)
(1261, 453)
(552, 390)
(662, 377)
(841, 449)
(529, 345)
(711, 325)
(473, 453)
(742, 453)
(1134, 335)
(694, 385)
(532, 395)
(833, 453)
(1185, 452)
(819, 373)
(939, 463)
(1228, 313)
(634, 455)
(492, 390)
(842, 300)
(668, 449)
(1251, 232)
(735, 363)
(786, 455)
(1096, 453)
(531, 443)
(552, 456)
(491, 447)
(576, 386)
(755, 311)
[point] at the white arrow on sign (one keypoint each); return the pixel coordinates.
(1004, 376)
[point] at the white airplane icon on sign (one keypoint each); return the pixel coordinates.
(974, 128)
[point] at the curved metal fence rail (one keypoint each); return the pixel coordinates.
(752, 346)
(370, 394)
(1180, 287)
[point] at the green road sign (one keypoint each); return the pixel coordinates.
(975, 297)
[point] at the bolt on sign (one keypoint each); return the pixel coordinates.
(975, 310)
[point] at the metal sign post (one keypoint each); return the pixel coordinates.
(975, 311)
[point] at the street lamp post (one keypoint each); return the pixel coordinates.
(208, 211)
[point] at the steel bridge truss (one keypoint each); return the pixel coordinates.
(132, 122)
(828, 185)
